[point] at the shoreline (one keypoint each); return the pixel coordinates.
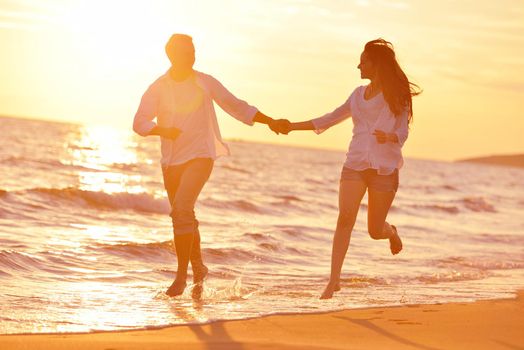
(485, 324)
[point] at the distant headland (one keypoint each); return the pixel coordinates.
(514, 160)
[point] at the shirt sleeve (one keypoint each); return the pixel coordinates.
(234, 106)
(147, 111)
(401, 128)
(340, 114)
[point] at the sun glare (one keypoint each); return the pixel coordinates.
(119, 35)
(104, 151)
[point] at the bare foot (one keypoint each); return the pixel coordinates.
(177, 288)
(331, 288)
(395, 243)
(196, 293)
(199, 273)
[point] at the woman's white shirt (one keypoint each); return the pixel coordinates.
(364, 151)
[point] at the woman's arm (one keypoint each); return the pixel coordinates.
(328, 120)
(399, 134)
(318, 124)
(402, 130)
(383, 137)
(306, 125)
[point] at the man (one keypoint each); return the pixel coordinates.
(181, 100)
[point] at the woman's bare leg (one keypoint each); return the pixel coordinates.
(379, 203)
(350, 196)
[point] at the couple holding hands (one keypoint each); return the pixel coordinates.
(182, 99)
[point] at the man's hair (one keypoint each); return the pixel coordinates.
(177, 40)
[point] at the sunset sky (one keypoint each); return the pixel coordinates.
(90, 62)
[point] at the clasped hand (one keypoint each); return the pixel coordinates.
(280, 126)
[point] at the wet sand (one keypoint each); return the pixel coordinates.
(494, 324)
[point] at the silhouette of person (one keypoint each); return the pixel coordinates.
(381, 112)
(181, 100)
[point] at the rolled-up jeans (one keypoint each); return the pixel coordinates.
(183, 184)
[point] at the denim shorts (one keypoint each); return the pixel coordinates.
(374, 181)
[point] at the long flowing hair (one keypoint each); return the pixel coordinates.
(396, 87)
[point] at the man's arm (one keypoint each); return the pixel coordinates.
(143, 123)
(273, 124)
(236, 107)
(262, 118)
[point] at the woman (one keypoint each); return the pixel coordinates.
(381, 113)
(182, 103)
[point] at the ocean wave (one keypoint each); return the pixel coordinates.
(498, 238)
(231, 254)
(80, 147)
(110, 279)
(44, 261)
(430, 188)
(453, 276)
(16, 160)
(164, 251)
(439, 207)
(359, 281)
(269, 246)
(289, 198)
(41, 164)
(257, 236)
(261, 255)
(142, 202)
(479, 263)
(478, 204)
(13, 260)
(304, 232)
(268, 242)
(147, 251)
(131, 167)
(315, 181)
(235, 169)
(239, 204)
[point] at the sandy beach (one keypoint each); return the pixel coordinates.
(494, 324)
